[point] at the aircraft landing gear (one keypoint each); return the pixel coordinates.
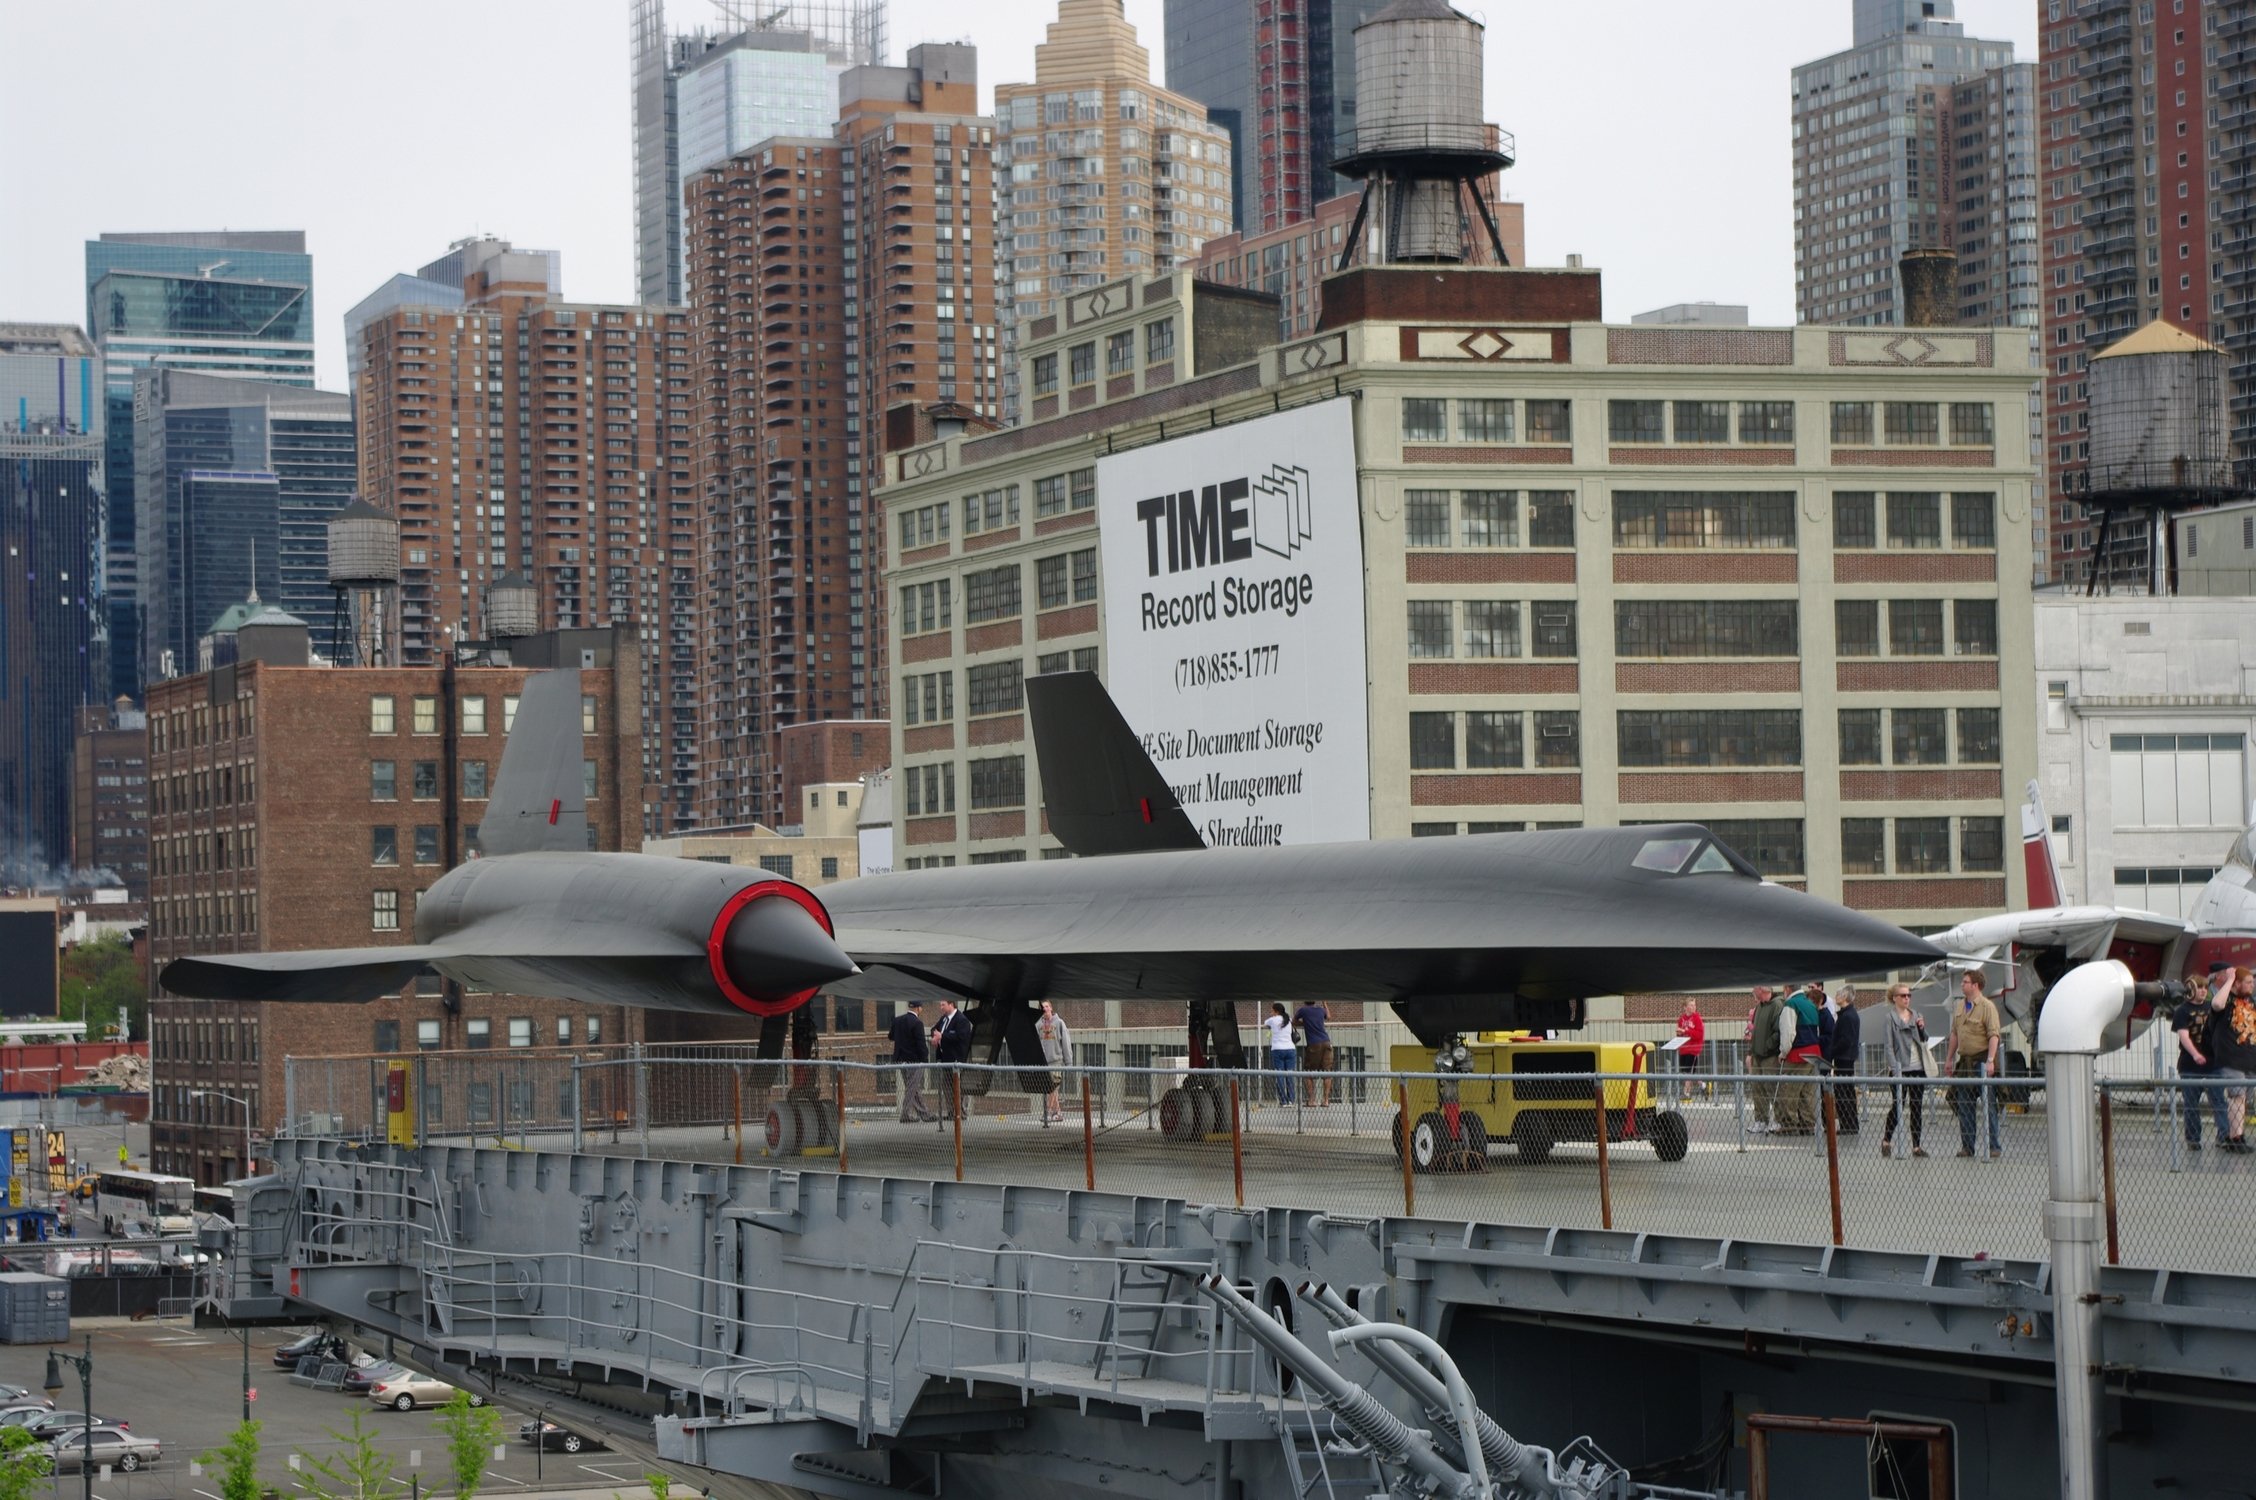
(1200, 1106)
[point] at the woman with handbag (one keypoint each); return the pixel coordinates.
(1057, 1052)
(1905, 1033)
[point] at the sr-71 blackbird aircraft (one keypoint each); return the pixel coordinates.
(1481, 933)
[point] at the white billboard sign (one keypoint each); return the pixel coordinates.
(1233, 599)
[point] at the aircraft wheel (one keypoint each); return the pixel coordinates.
(811, 1132)
(1178, 1114)
(1531, 1137)
(783, 1129)
(1208, 1112)
(1429, 1142)
(1670, 1137)
(1476, 1137)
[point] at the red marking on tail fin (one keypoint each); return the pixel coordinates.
(1143, 805)
(2036, 859)
(555, 806)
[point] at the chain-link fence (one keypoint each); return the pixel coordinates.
(2174, 1183)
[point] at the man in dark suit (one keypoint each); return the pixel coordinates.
(910, 1052)
(1844, 1050)
(951, 1044)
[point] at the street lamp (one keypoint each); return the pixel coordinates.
(84, 1364)
(237, 1099)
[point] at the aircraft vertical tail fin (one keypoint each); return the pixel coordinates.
(539, 801)
(1101, 791)
(2036, 852)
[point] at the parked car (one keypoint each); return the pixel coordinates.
(113, 1445)
(550, 1438)
(21, 1395)
(320, 1341)
(408, 1390)
(367, 1371)
(55, 1424)
(16, 1413)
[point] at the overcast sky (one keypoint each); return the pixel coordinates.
(1652, 140)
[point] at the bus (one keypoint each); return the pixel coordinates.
(164, 1203)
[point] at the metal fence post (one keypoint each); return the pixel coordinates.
(736, 1106)
(1402, 1145)
(1088, 1136)
(642, 1097)
(955, 1113)
(1237, 1143)
(2107, 1172)
(838, 1098)
(1833, 1161)
(1605, 1174)
(579, 1112)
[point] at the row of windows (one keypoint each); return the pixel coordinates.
(1918, 736)
(1915, 520)
(1487, 419)
(423, 713)
(991, 510)
(1496, 740)
(1491, 627)
(477, 1032)
(1120, 356)
(1698, 421)
(184, 727)
(383, 780)
(1487, 518)
(1706, 627)
(1915, 627)
(2178, 780)
(1671, 519)
(1922, 846)
(1055, 494)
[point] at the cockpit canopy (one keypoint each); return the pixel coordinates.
(1692, 856)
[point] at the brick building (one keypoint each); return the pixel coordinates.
(830, 752)
(1772, 580)
(307, 807)
(517, 433)
(110, 795)
(833, 279)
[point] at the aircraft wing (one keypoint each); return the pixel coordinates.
(352, 975)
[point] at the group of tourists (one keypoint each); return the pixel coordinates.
(2216, 1035)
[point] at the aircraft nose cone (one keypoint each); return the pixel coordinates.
(1834, 941)
(776, 951)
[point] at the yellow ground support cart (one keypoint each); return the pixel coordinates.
(1517, 1087)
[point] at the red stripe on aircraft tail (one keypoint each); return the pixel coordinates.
(1143, 804)
(555, 806)
(2036, 859)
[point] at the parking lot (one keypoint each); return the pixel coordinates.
(183, 1386)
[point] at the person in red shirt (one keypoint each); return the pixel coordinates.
(1694, 1031)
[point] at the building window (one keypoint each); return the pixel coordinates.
(477, 1032)
(1703, 421)
(382, 714)
(474, 779)
(1772, 845)
(777, 864)
(474, 714)
(926, 606)
(1923, 846)
(383, 911)
(1084, 575)
(383, 785)
(1049, 585)
(1558, 739)
(1971, 425)
(1433, 742)
(1045, 375)
(1856, 627)
(1978, 736)
(1551, 518)
(1915, 520)
(1864, 846)
(1915, 627)
(1083, 361)
(427, 1036)
(1766, 421)
(563, 1031)
(426, 784)
(587, 713)
(1120, 352)
(1852, 423)
(929, 698)
(1974, 626)
(426, 714)
(587, 791)
(1429, 627)
(2178, 780)
(991, 595)
(1635, 421)
(932, 789)
(990, 510)
(999, 782)
(1425, 419)
(1489, 518)
(1492, 628)
(1917, 736)
(1550, 422)
(509, 712)
(383, 845)
(1494, 740)
(1974, 521)
(830, 867)
(1860, 736)
(1425, 518)
(996, 687)
(1554, 630)
(1159, 341)
(387, 1036)
(1853, 520)
(1914, 424)
(1484, 420)
(426, 844)
(1706, 627)
(1710, 737)
(594, 1031)
(1049, 496)
(1671, 519)
(1084, 488)
(520, 1031)
(1981, 844)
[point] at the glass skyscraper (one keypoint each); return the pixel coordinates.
(235, 481)
(219, 302)
(54, 629)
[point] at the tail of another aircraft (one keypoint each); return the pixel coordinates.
(1101, 791)
(2036, 853)
(539, 801)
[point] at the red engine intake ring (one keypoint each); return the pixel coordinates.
(760, 890)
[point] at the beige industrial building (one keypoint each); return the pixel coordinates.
(1772, 579)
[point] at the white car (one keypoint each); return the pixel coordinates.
(407, 1390)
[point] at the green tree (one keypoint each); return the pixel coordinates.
(358, 1472)
(235, 1462)
(24, 1465)
(471, 1433)
(102, 982)
(661, 1485)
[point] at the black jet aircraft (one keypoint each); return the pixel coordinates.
(1490, 932)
